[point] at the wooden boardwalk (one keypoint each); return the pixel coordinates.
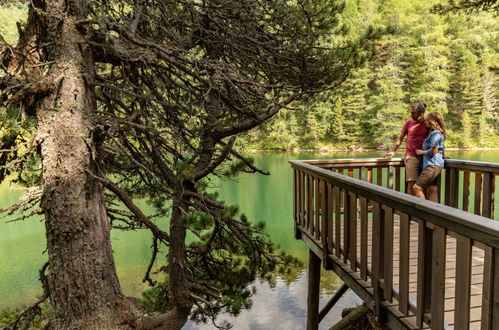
(416, 264)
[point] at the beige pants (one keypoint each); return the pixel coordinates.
(411, 168)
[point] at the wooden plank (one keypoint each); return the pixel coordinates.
(376, 244)
(370, 175)
(296, 203)
(493, 197)
(301, 198)
(487, 195)
(472, 165)
(463, 283)
(295, 195)
(454, 187)
(376, 259)
(438, 279)
(478, 193)
(352, 250)
(388, 253)
(448, 183)
(379, 176)
(350, 172)
(305, 200)
(363, 173)
(329, 218)
(439, 188)
(314, 276)
(308, 200)
(363, 237)
(337, 210)
(390, 180)
(487, 293)
(324, 216)
(404, 252)
(423, 272)
(466, 191)
(495, 291)
(398, 178)
(317, 213)
(346, 224)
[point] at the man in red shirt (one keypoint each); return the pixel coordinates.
(416, 132)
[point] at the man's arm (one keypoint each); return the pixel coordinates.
(397, 144)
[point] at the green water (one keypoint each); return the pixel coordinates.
(261, 198)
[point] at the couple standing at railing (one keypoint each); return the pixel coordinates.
(424, 152)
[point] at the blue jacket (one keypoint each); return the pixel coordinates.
(435, 138)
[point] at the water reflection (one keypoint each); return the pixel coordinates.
(283, 306)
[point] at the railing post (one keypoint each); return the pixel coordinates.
(298, 198)
(387, 248)
(352, 250)
(310, 202)
(438, 278)
(314, 276)
(326, 233)
(463, 283)
(487, 199)
(451, 187)
(377, 266)
(346, 224)
(478, 193)
(337, 228)
(490, 294)
(425, 247)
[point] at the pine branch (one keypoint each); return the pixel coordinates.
(141, 217)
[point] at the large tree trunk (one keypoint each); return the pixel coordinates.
(83, 285)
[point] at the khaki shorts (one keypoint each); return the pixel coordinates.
(429, 176)
(411, 168)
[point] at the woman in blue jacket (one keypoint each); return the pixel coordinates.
(433, 157)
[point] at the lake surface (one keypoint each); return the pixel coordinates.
(261, 198)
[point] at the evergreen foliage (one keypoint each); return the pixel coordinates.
(448, 61)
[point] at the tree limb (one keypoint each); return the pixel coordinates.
(141, 217)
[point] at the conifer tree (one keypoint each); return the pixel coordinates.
(145, 99)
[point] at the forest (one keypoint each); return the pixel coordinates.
(447, 61)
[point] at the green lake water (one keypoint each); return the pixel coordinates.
(262, 198)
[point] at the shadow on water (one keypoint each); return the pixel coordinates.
(261, 198)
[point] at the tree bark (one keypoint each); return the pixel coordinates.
(176, 259)
(83, 286)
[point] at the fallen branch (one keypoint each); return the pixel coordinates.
(353, 316)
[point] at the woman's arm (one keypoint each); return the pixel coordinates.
(434, 150)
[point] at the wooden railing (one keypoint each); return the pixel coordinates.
(398, 245)
(459, 180)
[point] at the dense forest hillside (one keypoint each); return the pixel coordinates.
(447, 61)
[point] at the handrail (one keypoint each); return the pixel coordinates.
(461, 222)
(469, 176)
(335, 213)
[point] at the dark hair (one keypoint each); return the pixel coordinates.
(420, 106)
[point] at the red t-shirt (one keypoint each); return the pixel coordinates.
(416, 132)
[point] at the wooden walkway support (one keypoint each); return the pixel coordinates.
(416, 264)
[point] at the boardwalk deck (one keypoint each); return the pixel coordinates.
(414, 263)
